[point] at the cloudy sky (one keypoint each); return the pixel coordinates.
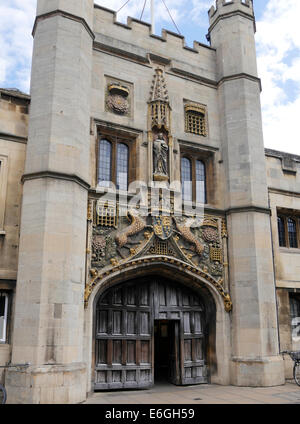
(278, 49)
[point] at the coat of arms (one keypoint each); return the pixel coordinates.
(163, 227)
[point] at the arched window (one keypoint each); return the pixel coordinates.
(200, 182)
(105, 163)
(281, 231)
(292, 232)
(186, 179)
(122, 166)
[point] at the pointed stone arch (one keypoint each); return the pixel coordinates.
(219, 334)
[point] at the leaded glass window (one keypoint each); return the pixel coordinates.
(105, 163)
(292, 232)
(193, 178)
(200, 182)
(114, 163)
(186, 179)
(122, 166)
(281, 232)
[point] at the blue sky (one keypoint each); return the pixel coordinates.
(277, 41)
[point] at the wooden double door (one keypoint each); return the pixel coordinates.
(149, 330)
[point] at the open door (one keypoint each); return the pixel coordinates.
(193, 368)
(124, 328)
(147, 331)
(167, 350)
(174, 368)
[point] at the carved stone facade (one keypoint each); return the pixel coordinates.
(86, 260)
(199, 245)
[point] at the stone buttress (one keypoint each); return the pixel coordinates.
(48, 322)
(255, 359)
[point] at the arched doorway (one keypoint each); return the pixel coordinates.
(148, 329)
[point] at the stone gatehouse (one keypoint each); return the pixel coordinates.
(145, 233)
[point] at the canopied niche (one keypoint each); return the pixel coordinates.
(159, 119)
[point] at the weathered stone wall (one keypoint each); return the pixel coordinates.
(255, 349)
(48, 321)
(70, 79)
(129, 55)
(13, 138)
(284, 194)
(283, 174)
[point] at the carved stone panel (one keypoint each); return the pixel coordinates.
(118, 97)
(196, 242)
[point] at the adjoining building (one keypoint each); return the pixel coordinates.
(199, 283)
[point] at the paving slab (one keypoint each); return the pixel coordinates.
(205, 394)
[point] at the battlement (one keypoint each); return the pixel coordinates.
(106, 23)
(226, 7)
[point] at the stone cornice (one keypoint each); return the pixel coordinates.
(229, 15)
(13, 137)
(242, 209)
(57, 176)
(64, 15)
(9, 275)
(119, 52)
(15, 93)
(193, 76)
(239, 76)
(283, 192)
(101, 124)
(280, 155)
(195, 145)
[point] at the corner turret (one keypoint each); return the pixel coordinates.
(231, 33)
(224, 7)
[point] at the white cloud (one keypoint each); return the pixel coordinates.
(16, 21)
(199, 10)
(278, 43)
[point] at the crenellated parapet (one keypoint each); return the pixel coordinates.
(139, 34)
(225, 7)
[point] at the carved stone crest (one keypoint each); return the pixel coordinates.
(163, 226)
(117, 99)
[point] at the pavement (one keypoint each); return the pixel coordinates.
(165, 393)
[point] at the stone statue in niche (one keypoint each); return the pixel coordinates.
(160, 155)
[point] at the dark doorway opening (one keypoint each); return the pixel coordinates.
(166, 351)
